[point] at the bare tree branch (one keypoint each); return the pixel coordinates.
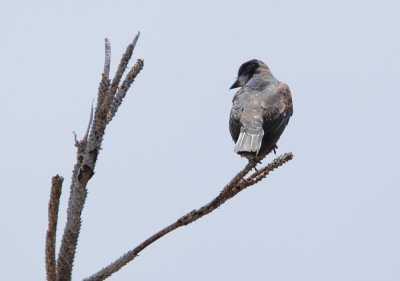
(107, 58)
(87, 152)
(120, 95)
(236, 185)
(69, 241)
(54, 203)
(105, 79)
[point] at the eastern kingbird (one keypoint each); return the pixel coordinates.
(261, 109)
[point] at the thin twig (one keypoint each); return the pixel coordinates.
(135, 39)
(230, 190)
(120, 95)
(263, 172)
(105, 77)
(89, 124)
(54, 203)
(107, 58)
(75, 138)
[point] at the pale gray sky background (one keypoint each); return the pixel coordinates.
(331, 214)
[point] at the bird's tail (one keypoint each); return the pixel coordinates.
(249, 142)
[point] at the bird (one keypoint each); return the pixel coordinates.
(261, 109)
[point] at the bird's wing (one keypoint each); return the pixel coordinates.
(278, 109)
(234, 118)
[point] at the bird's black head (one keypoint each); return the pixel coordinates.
(246, 71)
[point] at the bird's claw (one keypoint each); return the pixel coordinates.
(274, 148)
(254, 161)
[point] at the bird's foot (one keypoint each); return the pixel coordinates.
(254, 161)
(274, 148)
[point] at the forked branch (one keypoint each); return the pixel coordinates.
(236, 185)
(87, 152)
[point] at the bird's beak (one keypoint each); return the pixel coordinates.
(236, 84)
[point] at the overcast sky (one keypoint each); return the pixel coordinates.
(330, 214)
